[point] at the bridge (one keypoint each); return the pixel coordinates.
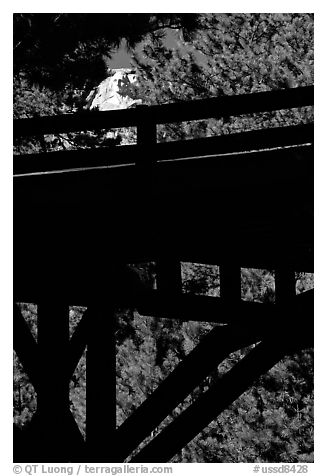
(80, 216)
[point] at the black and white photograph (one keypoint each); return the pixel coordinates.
(163, 241)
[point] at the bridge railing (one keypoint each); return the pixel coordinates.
(147, 118)
(51, 361)
(165, 113)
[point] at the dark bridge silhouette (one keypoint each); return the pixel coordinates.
(81, 215)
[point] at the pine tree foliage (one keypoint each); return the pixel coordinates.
(230, 54)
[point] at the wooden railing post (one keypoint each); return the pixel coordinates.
(284, 285)
(146, 137)
(230, 283)
(146, 133)
(53, 389)
(101, 384)
(169, 277)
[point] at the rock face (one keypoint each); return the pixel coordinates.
(115, 93)
(112, 93)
